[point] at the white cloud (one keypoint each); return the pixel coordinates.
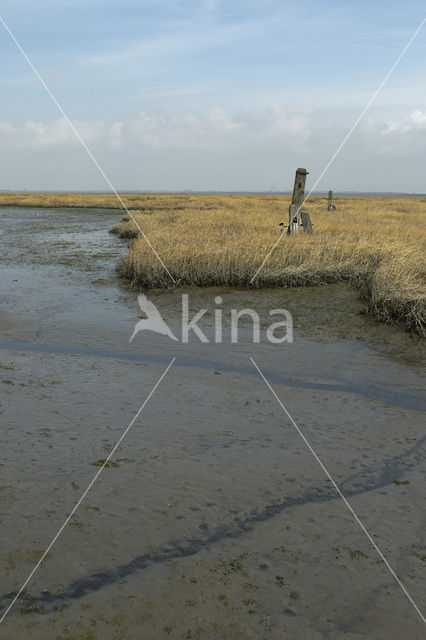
(216, 149)
(184, 131)
(294, 123)
(53, 134)
(222, 121)
(276, 127)
(115, 134)
(416, 121)
(7, 129)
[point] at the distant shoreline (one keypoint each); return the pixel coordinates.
(315, 194)
(139, 200)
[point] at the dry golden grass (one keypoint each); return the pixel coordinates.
(86, 200)
(377, 243)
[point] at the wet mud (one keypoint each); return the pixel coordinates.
(213, 519)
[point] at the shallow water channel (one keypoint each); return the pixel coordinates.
(213, 518)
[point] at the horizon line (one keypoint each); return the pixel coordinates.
(204, 192)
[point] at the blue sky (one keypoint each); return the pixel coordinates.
(211, 94)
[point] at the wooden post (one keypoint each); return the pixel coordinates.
(330, 206)
(295, 210)
(306, 222)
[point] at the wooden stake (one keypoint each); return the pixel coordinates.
(295, 211)
(330, 206)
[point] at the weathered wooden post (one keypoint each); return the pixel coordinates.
(295, 211)
(330, 206)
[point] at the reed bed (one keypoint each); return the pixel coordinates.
(376, 243)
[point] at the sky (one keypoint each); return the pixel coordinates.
(229, 95)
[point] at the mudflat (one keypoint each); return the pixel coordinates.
(213, 519)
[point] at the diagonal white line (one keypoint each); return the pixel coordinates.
(80, 139)
(92, 482)
(339, 492)
(348, 135)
